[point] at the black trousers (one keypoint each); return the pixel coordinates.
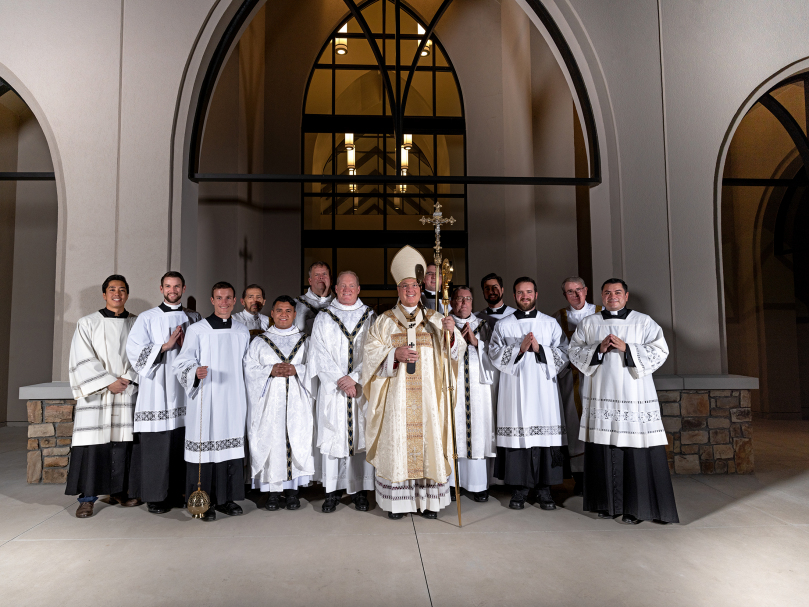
(158, 465)
(100, 469)
(533, 467)
(222, 481)
(626, 480)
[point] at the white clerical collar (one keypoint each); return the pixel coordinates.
(321, 300)
(172, 306)
(408, 309)
(430, 294)
(250, 314)
(463, 321)
(293, 329)
(616, 312)
(357, 305)
(584, 309)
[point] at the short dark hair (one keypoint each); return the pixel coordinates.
(612, 281)
(223, 285)
(457, 288)
(524, 279)
(112, 277)
(172, 274)
(284, 299)
(316, 264)
(489, 277)
(254, 286)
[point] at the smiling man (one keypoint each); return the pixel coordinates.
(318, 297)
(104, 386)
(209, 368)
(153, 345)
(492, 287)
(279, 420)
(407, 423)
(530, 350)
(575, 291)
(336, 359)
(625, 466)
(253, 299)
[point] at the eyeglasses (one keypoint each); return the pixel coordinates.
(572, 291)
(462, 299)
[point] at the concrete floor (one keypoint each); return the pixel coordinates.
(742, 540)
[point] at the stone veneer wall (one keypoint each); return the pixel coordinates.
(709, 431)
(50, 434)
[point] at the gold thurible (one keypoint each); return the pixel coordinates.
(199, 501)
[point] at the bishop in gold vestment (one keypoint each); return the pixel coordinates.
(408, 432)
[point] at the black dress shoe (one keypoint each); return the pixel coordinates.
(158, 507)
(395, 515)
(452, 495)
(429, 514)
(546, 501)
(360, 500)
(517, 501)
(604, 515)
(230, 508)
(293, 503)
(630, 520)
(661, 522)
(273, 502)
(330, 505)
(482, 496)
(210, 514)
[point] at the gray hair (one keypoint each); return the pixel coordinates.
(576, 279)
(343, 273)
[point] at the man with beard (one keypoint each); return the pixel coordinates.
(625, 467)
(492, 286)
(336, 358)
(103, 384)
(530, 350)
(575, 291)
(209, 368)
(407, 428)
(316, 298)
(475, 397)
(432, 282)
(253, 298)
(153, 345)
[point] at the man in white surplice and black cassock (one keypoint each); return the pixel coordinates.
(530, 350)
(575, 291)
(626, 471)
(280, 409)
(153, 345)
(316, 298)
(492, 286)
(336, 357)
(475, 398)
(209, 368)
(253, 300)
(432, 284)
(104, 386)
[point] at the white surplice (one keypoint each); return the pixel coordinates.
(307, 307)
(220, 399)
(619, 398)
(97, 359)
(161, 402)
(495, 314)
(474, 410)
(280, 420)
(255, 323)
(529, 408)
(340, 419)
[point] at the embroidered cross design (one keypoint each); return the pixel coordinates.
(287, 360)
(350, 337)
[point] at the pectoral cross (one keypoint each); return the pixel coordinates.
(247, 255)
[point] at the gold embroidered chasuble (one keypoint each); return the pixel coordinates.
(407, 428)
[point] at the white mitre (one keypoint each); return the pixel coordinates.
(408, 263)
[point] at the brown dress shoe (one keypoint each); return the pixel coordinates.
(85, 510)
(124, 500)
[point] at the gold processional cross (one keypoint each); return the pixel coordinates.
(437, 219)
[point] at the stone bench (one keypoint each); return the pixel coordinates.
(50, 431)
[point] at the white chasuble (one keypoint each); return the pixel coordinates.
(218, 403)
(161, 402)
(280, 419)
(97, 359)
(307, 308)
(407, 431)
(474, 394)
(619, 400)
(529, 408)
(338, 337)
